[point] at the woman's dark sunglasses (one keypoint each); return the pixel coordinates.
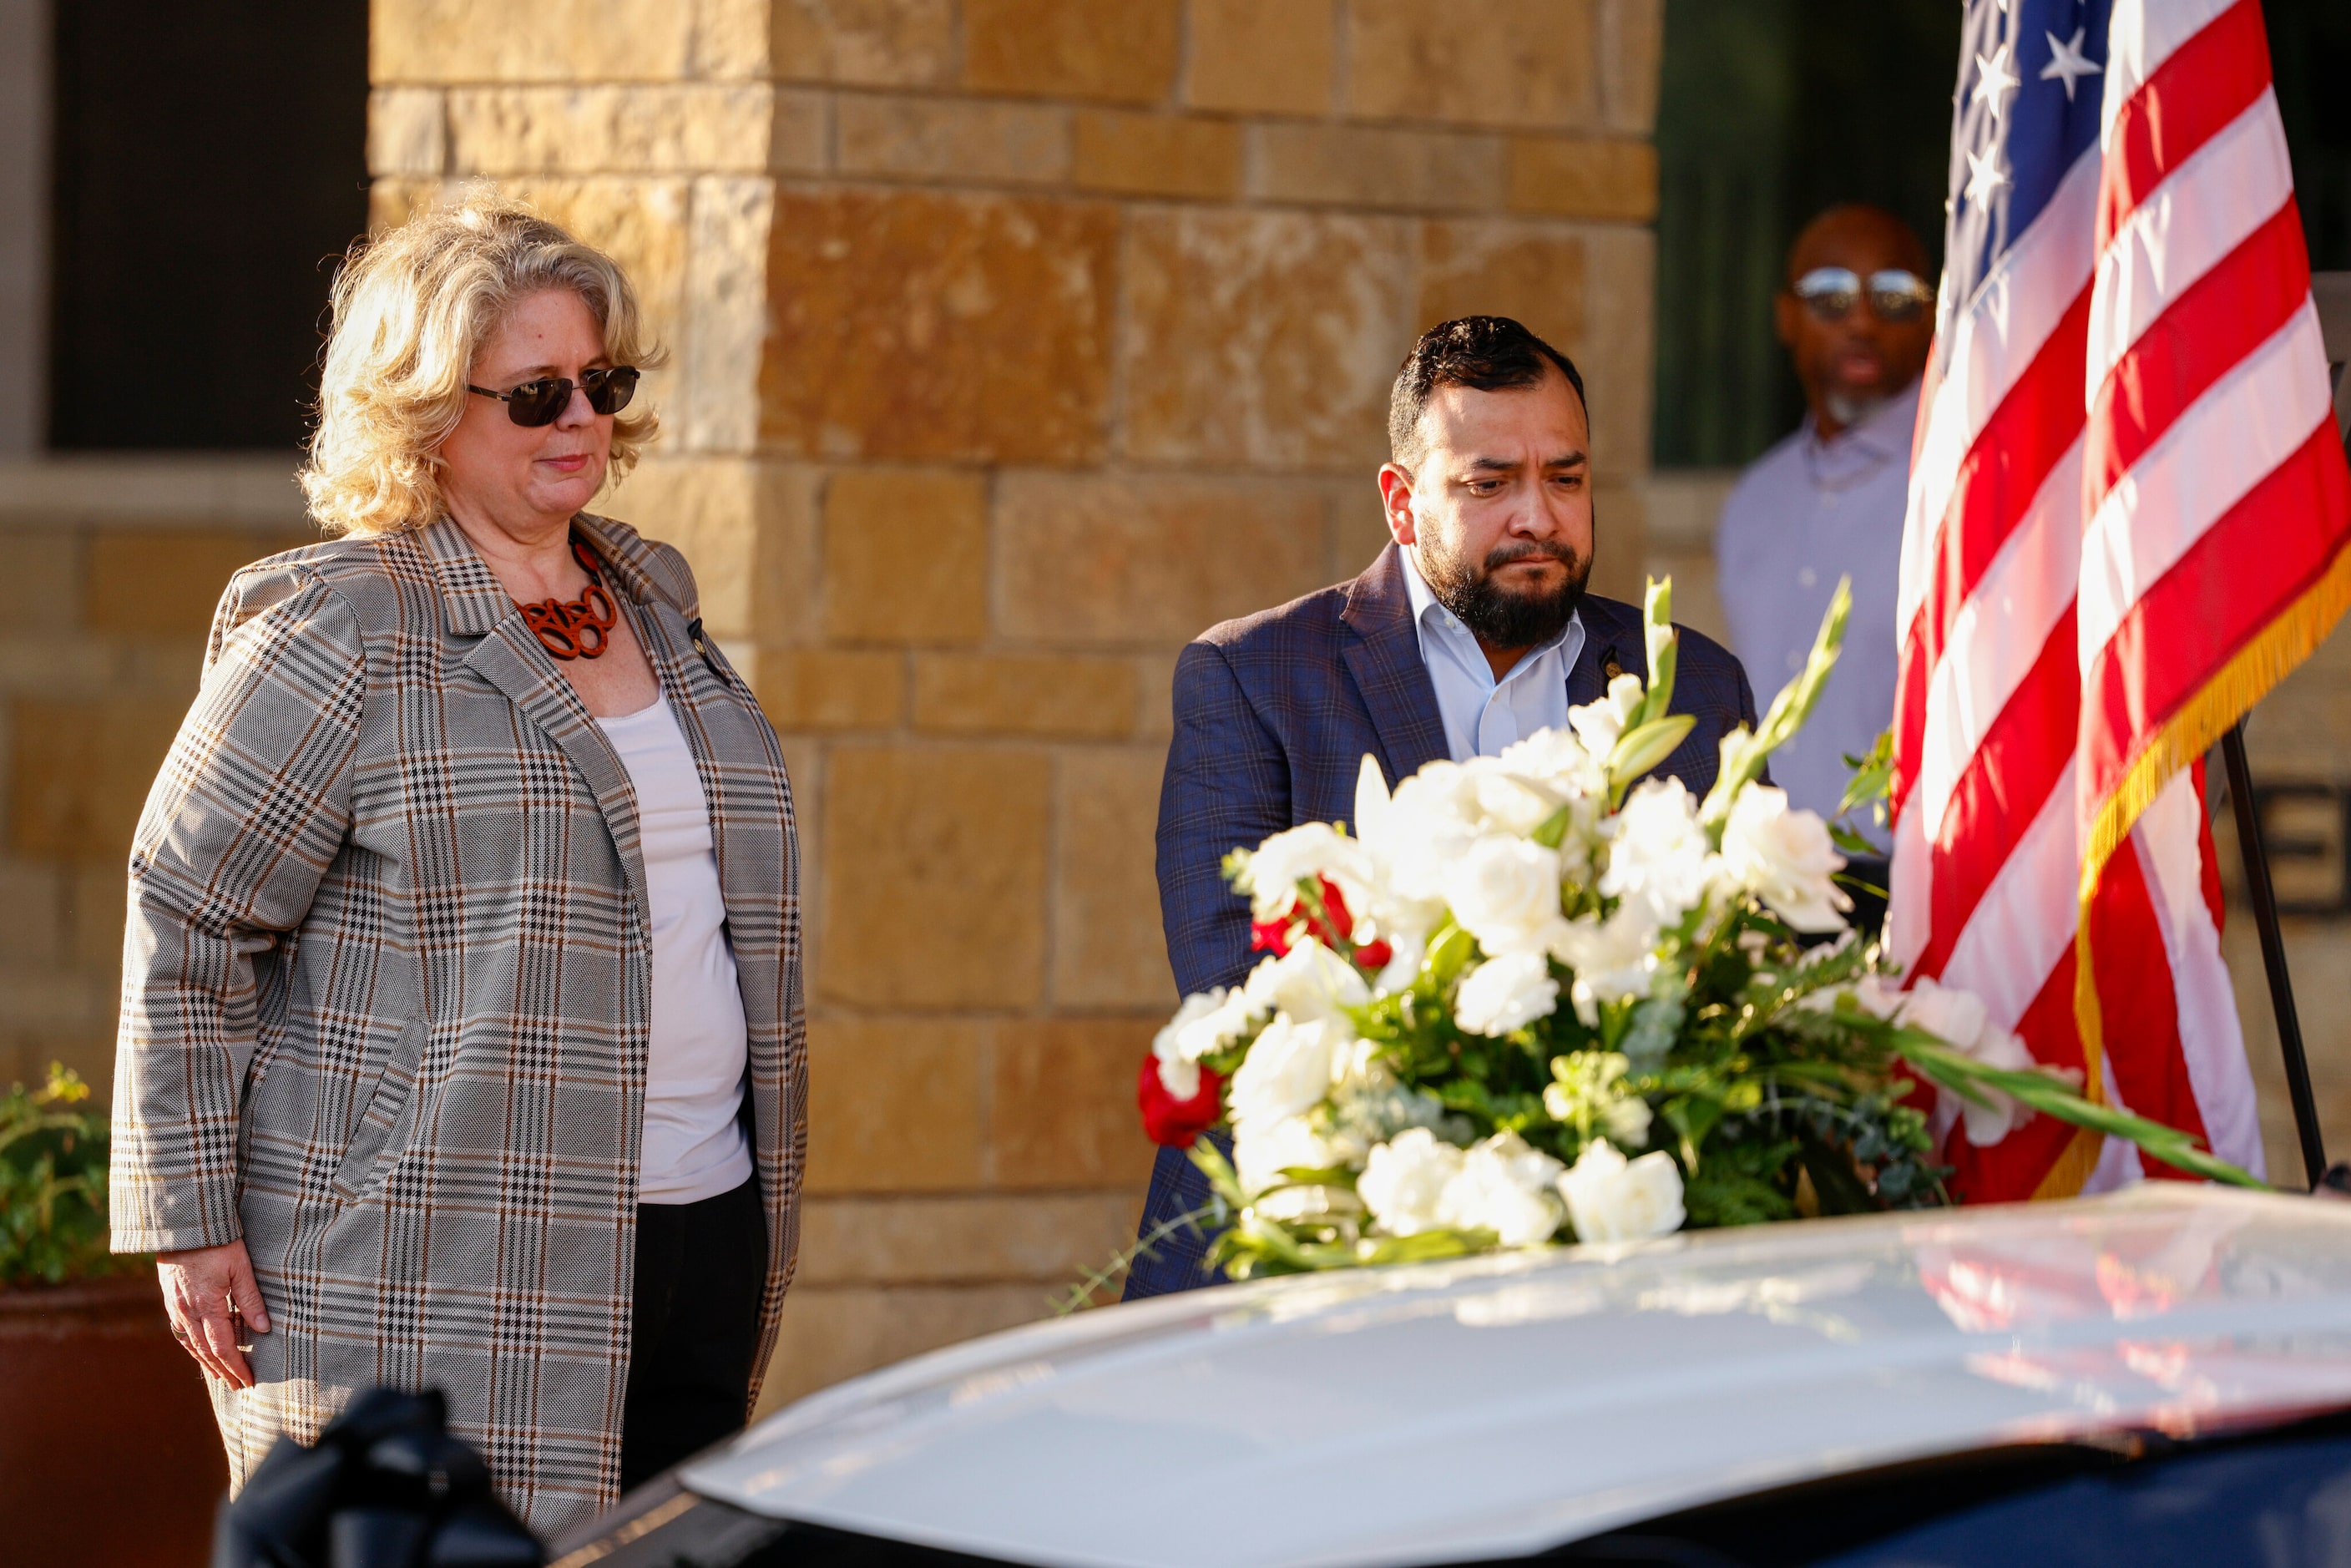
(1896, 294)
(542, 401)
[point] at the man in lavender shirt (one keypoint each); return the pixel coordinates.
(1827, 502)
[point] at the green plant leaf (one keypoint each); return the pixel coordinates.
(1638, 751)
(1873, 775)
(2051, 1095)
(1660, 643)
(1851, 843)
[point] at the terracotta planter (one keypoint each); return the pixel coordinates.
(109, 1455)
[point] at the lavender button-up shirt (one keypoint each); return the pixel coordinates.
(1809, 512)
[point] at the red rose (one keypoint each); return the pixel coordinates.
(1270, 937)
(1341, 931)
(1334, 928)
(1168, 1120)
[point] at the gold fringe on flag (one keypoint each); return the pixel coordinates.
(2251, 672)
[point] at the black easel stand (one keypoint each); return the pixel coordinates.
(2266, 916)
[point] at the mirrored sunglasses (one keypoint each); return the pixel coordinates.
(1896, 294)
(542, 401)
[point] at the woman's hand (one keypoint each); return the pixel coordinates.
(212, 1297)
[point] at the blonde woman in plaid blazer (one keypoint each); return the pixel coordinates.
(394, 1021)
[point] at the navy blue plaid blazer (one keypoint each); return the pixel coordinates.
(1274, 714)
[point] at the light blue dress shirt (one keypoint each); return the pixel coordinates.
(1809, 512)
(1483, 715)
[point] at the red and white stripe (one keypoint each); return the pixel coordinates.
(2122, 427)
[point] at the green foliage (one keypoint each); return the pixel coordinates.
(1873, 779)
(1948, 1068)
(53, 1225)
(1872, 783)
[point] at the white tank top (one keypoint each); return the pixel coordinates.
(693, 1147)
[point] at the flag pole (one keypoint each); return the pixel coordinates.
(2265, 917)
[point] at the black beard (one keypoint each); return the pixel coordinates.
(1500, 617)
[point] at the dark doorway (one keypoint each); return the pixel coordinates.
(211, 161)
(2310, 61)
(1771, 110)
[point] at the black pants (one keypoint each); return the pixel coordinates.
(700, 1271)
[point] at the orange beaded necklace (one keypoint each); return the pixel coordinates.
(581, 629)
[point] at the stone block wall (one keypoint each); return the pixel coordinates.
(1014, 343)
(112, 571)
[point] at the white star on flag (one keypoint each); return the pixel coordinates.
(1993, 80)
(2067, 63)
(1984, 175)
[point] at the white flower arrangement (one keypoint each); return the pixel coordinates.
(1543, 996)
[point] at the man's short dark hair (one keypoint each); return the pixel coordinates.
(1485, 353)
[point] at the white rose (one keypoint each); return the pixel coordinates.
(1613, 958)
(1877, 996)
(1961, 1018)
(1210, 1031)
(1954, 1015)
(1308, 982)
(1423, 831)
(1288, 1069)
(1505, 892)
(1404, 1181)
(1506, 993)
(1602, 724)
(1611, 1199)
(1784, 858)
(1504, 1186)
(1507, 800)
(1165, 1045)
(1206, 1022)
(1658, 852)
(1271, 874)
(1263, 1150)
(1557, 758)
(1988, 1125)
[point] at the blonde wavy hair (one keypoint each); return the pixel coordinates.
(411, 309)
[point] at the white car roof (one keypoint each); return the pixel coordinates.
(1495, 1407)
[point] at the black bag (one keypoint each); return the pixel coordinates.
(386, 1487)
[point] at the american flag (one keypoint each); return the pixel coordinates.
(2127, 518)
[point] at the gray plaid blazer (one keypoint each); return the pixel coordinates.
(386, 995)
(1274, 714)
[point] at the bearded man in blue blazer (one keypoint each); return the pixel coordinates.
(1471, 631)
